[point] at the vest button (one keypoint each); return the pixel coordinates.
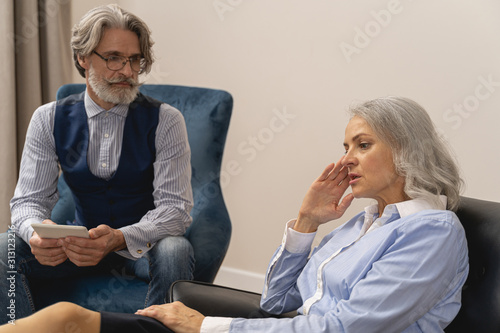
(139, 251)
(148, 245)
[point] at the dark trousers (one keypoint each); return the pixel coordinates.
(126, 322)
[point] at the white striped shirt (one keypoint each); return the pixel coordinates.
(36, 190)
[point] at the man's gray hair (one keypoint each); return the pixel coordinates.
(87, 33)
(420, 154)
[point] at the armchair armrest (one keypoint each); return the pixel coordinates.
(219, 301)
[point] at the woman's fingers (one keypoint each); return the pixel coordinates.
(345, 203)
(327, 172)
(333, 170)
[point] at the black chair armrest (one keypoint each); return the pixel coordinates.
(219, 301)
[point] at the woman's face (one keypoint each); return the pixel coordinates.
(371, 168)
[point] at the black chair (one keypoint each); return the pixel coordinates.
(480, 311)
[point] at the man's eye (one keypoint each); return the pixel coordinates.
(115, 59)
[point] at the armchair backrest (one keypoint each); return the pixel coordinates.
(207, 113)
(480, 311)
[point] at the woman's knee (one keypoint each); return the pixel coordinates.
(64, 317)
(71, 315)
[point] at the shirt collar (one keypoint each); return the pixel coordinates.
(409, 207)
(403, 208)
(93, 109)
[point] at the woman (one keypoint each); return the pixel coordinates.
(398, 266)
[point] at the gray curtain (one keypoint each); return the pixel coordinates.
(35, 59)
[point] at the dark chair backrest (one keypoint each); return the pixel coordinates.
(480, 311)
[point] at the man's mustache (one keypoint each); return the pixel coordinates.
(133, 83)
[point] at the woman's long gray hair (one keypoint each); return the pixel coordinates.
(88, 33)
(420, 155)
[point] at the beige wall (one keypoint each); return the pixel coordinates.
(294, 66)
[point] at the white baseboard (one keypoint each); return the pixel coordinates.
(240, 279)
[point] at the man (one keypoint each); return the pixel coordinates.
(126, 160)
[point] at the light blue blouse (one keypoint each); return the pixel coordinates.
(401, 272)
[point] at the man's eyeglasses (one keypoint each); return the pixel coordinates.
(115, 63)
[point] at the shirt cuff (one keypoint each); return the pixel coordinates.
(25, 230)
(298, 242)
(136, 243)
(215, 325)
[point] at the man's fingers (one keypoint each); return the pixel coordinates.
(43, 243)
(99, 231)
(51, 260)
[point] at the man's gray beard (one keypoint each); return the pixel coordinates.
(104, 89)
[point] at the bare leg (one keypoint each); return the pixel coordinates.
(60, 317)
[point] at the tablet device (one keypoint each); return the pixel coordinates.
(60, 231)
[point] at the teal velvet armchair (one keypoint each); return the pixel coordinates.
(207, 113)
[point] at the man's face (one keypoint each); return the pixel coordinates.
(110, 87)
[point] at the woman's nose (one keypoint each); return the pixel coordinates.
(348, 159)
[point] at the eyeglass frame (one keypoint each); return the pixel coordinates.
(129, 59)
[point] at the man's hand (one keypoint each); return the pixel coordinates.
(176, 316)
(89, 252)
(47, 251)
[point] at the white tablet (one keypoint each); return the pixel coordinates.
(60, 231)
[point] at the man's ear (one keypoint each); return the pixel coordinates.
(83, 61)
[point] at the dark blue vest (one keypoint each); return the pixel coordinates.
(128, 195)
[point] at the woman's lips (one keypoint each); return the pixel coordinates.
(354, 178)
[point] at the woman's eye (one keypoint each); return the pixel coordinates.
(364, 145)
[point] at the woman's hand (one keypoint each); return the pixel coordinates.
(322, 201)
(176, 316)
